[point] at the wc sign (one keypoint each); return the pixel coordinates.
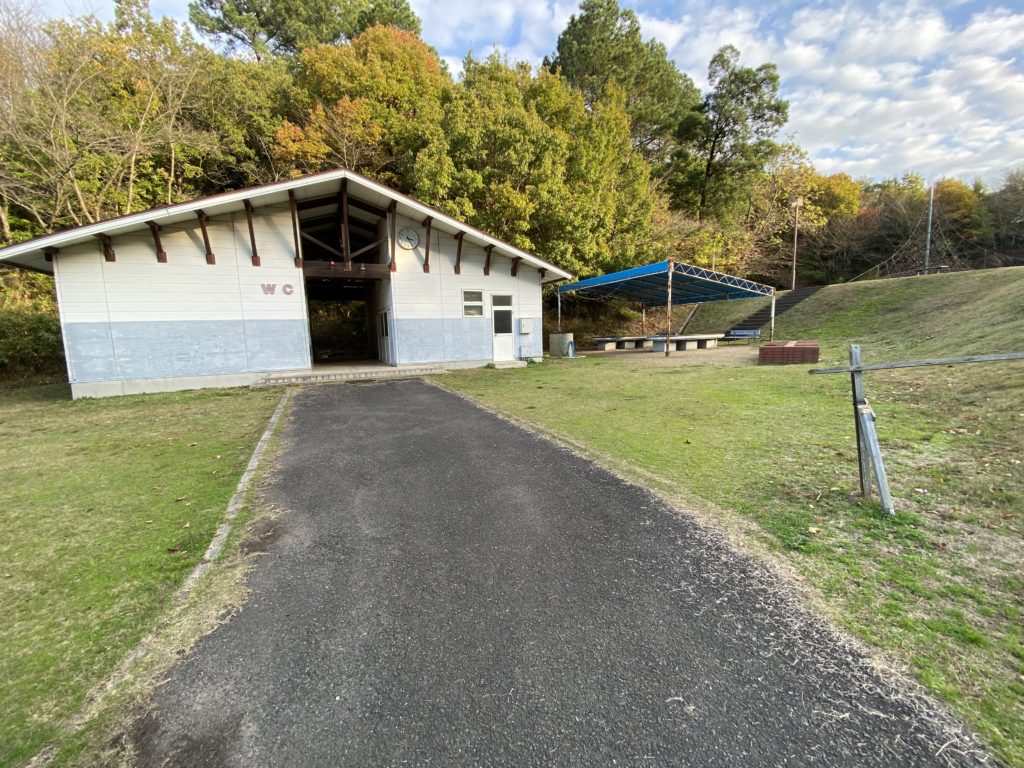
(270, 289)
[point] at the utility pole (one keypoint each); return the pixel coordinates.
(796, 230)
(928, 239)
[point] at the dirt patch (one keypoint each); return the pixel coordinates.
(741, 354)
(261, 536)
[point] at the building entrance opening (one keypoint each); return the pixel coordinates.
(345, 250)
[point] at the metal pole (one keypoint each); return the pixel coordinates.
(796, 230)
(857, 388)
(867, 425)
(928, 238)
(771, 329)
(559, 294)
(643, 318)
(668, 336)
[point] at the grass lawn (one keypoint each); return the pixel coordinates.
(107, 505)
(770, 452)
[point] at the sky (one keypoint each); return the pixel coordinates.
(875, 89)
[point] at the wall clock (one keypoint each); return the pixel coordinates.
(408, 238)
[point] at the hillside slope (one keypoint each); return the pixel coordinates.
(961, 313)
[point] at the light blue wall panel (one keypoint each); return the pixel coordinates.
(420, 341)
(90, 352)
(458, 339)
(532, 344)
(467, 338)
(169, 349)
(440, 341)
(173, 349)
(277, 345)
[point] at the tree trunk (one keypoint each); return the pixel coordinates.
(131, 184)
(707, 178)
(5, 224)
(170, 178)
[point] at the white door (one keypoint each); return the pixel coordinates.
(383, 338)
(504, 337)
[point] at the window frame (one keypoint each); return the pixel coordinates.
(466, 303)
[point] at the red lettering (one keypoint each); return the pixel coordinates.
(269, 288)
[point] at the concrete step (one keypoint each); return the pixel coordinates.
(502, 364)
(783, 303)
(357, 374)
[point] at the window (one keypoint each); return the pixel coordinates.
(473, 303)
(501, 301)
(503, 321)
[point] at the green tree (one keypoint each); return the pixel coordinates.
(266, 27)
(542, 170)
(602, 45)
(728, 140)
(1006, 208)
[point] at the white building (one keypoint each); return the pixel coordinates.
(215, 292)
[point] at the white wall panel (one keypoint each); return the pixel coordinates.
(136, 287)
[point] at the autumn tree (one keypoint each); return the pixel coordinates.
(371, 106)
(728, 140)
(85, 134)
(602, 45)
(827, 253)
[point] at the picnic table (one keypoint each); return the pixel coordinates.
(623, 342)
(692, 341)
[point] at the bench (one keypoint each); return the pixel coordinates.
(742, 334)
(622, 342)
(694, 341)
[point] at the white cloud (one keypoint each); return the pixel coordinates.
(996, 31)
(878, 89)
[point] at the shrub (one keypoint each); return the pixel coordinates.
(30, 342)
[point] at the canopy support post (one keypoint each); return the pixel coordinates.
(643, 317)
(668, 334)
(771, 330)
(559, 294)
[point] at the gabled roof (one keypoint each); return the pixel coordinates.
(690, 285)
(30, 254)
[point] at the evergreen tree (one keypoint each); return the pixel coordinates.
(266, 27)
(603, 45)
(727, 141)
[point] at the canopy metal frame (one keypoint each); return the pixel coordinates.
(667, 282)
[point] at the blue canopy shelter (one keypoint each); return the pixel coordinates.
(669, 282)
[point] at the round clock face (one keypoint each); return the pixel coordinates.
(408, 238)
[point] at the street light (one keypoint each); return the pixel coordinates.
(796, 229)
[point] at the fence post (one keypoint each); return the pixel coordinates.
(857, 388)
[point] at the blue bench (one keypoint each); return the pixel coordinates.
(742, 334)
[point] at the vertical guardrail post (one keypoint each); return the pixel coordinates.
(857, 388)
(869, 453)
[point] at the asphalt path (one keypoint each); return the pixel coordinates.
(444, 588)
